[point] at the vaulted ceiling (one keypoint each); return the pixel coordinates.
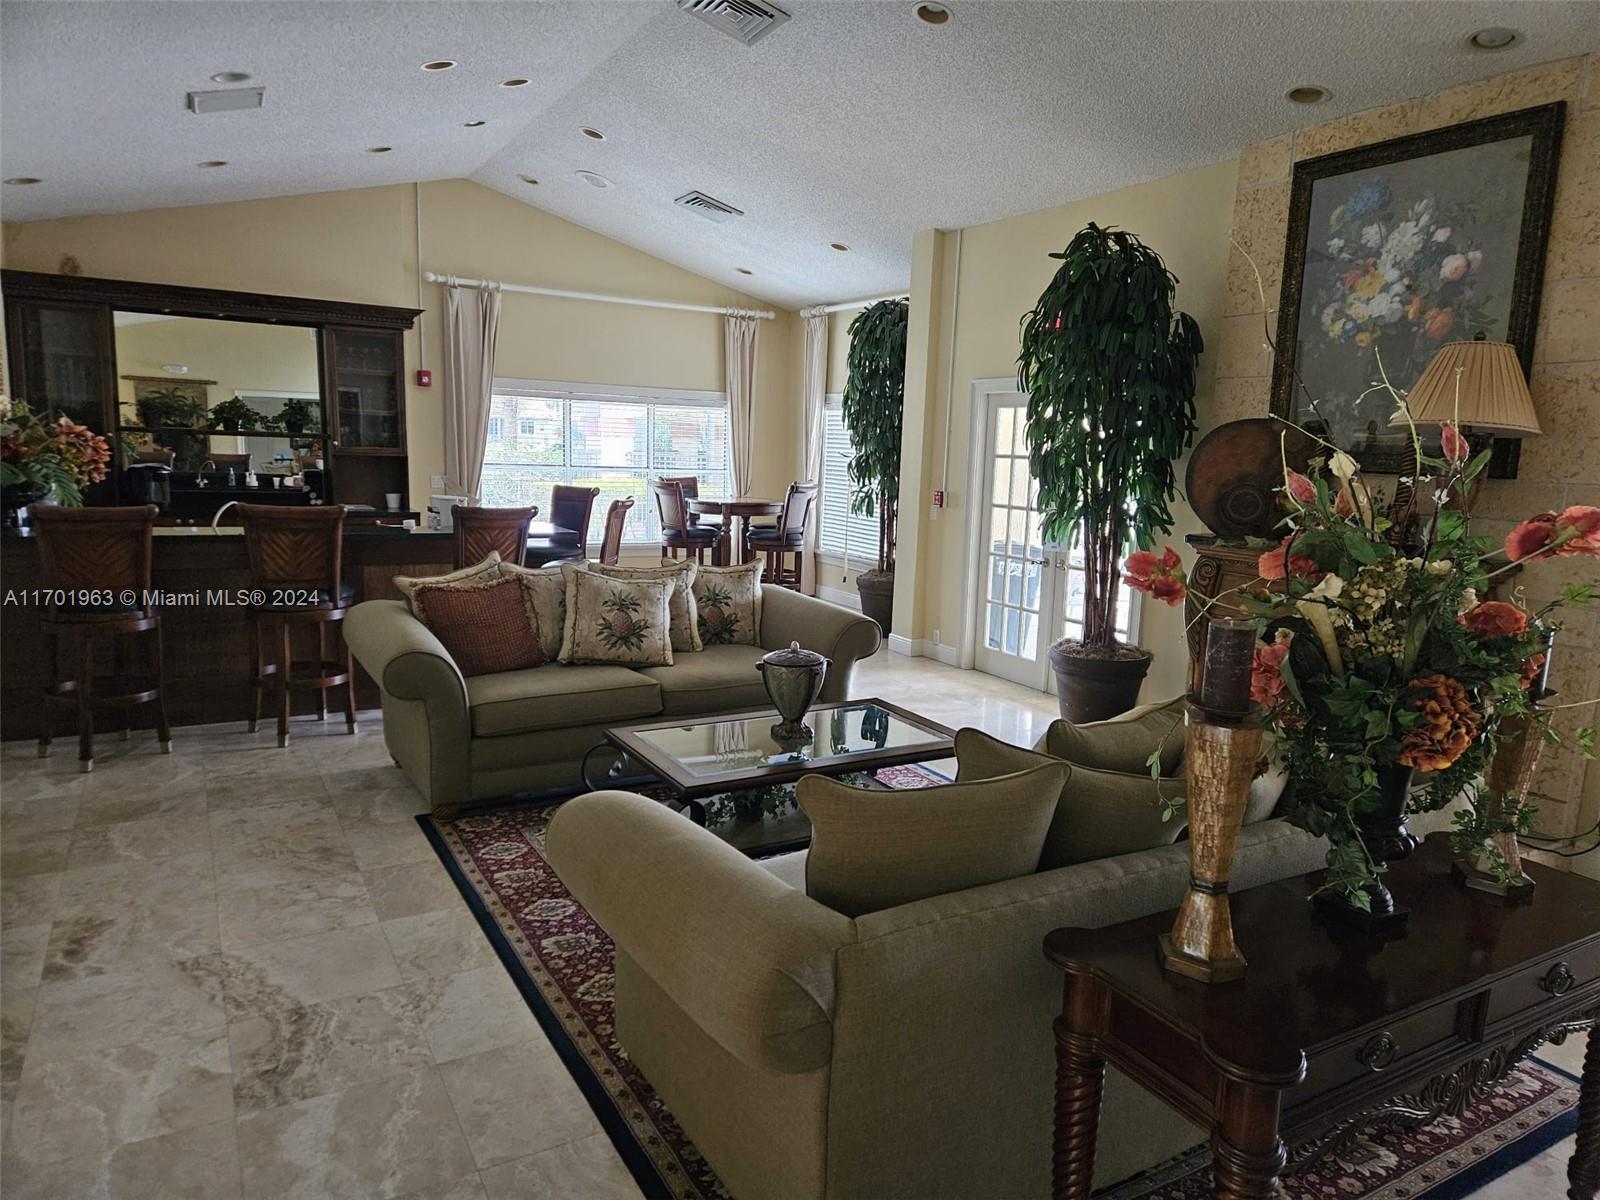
(854, 122)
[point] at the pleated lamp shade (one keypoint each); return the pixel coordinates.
(1478, 385)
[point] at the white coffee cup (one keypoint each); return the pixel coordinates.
(392, 499)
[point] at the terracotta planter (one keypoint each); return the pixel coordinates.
(877, 597)
(1094, 689)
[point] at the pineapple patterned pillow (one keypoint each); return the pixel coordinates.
(728, 605)
(626, 621)
(685, 628)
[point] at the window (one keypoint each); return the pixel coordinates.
(839, 530)
(614, 439)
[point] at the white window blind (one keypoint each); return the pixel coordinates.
(616, 440)
(839, 529)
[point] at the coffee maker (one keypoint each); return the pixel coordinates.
(147, 483)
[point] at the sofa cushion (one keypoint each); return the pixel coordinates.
(875, 848)
(406, 585)
(554, 697)
(1123, 743)
(547, 591)
(486, 623)
(625, 621)
(728, 604)
(685, 626)
(716, 679)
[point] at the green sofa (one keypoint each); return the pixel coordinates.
(463, 739)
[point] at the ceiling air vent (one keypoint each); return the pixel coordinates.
(708, 207)
(746, 20)
(226, 100)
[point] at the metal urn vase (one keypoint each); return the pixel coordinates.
(794, 679)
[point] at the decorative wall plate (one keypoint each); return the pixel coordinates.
(1235, 471)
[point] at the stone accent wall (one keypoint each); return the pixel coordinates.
(1563, 466)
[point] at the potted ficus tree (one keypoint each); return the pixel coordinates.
(1108, 365)
(874, 397)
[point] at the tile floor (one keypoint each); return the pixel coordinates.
(237, 971)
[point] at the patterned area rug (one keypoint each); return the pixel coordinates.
(562, 963)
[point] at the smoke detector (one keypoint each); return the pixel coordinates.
(708, 207)
(745, 20)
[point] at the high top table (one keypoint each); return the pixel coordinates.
(743, 507)
(1331, 1034)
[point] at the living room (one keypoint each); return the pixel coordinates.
(868, 562)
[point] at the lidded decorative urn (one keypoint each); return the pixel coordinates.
(794, 679)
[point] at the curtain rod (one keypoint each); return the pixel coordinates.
(456, 281)
(847, 305)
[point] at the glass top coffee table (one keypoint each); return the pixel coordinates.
(735, 759)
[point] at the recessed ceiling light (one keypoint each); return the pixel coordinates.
(213, 162)
(592, 179)
(933, 14)
(513, 83)
(839, 246)
(744, 270)
(230, 77)
(476, 124)
(24, 180)
(439, 64)
(529, 179)
(1494, 38)
(589, 131)
(379, 149)
(1307, 94)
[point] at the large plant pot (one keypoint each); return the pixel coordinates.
(877, 597)
(1094, 688)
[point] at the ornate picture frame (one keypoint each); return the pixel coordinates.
(1397, 247)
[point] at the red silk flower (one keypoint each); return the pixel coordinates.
(1496, 618)
(1456, 449)
(1575, 530)
(1267, 686)
(1161, 577)
(1301, 490)
(1279, 564)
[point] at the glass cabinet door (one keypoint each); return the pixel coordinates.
(368, 409)
(63, 356)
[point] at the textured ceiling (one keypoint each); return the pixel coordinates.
(853, 122)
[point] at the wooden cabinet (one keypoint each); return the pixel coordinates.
(366, 386)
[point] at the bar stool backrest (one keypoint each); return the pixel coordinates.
(481, 530)
(95, 549)
(797, 508)
(570, 508)
(294, 548)
(616, 519)
(670, 504)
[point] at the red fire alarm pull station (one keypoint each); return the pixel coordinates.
(424, 378)
(938, 498)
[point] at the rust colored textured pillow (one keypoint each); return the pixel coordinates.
(486, 627)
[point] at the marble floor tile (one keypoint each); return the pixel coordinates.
(411, 888)
(138, 841)
(255, 980)
(278, 843)
(111, 916)
(516, 1101)
(388, 804)
(28, 899)
(16, 1020)
(192, 1164)
(387, 843)
(22, 956)
(438, 944)
(588, 1168)
(472, 1012)
(285, 822)
(301, 1051)
(164, 799)
(49, 813)
(345, 779)
(291, 907)
(370, 1141)
(73, 1105)
(140, 1003)
(468, 1187)
(24, 854)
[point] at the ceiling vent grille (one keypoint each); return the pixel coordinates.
(745, 20)
(708, 207)
(226, 100)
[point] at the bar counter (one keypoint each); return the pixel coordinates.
(206, 645)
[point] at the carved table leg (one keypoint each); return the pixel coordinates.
(1080, 1081)
(1246, 1152)
(1583, 1172)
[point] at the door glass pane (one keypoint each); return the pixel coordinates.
(1013, 581)
(1030, 635)
(1005, 419)
(1032, 577)
(1002, 480)
(1020, 481)
(1013, 631)
(997, 530)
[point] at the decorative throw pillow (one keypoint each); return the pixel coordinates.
(547, 590)
(626, 621)
(727, 603)
(875, 848)
(685, 623)
(1267, 788)
(1101, 813)
(408, 585)
(485, 624)
(1123, 743)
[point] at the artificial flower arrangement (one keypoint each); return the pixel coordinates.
(1376, 658)
(60, 457)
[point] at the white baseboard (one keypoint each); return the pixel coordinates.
(911, 648)
(840, 597)
(950, 656)
(923, 648)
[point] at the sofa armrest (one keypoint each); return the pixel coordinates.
(843, 636)
(748, 958)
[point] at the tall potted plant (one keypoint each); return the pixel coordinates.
(1108, 367)
(874, 398)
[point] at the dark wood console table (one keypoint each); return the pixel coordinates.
(1331, 1035)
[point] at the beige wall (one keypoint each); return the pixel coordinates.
(361, 246)
(1560, 468)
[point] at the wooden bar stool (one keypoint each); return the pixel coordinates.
(96, 562)
(295, 565)
(787, 537)
(481, 530)
(570, 508)
(679, 536)
(616, 521)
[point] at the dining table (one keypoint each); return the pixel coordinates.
(548, 542)
(729, 508)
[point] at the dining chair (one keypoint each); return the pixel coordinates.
(787, 538)
(678, 535)
(611, 543)
(570, 508)
(480, 530)
(691, 491)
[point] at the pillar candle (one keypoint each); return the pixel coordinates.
(1230, 653)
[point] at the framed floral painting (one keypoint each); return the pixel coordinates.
(1399, 247)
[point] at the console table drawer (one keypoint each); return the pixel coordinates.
(1379, 1052)
(1544, 982)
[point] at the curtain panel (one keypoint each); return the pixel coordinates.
(743, 337)
(814, 390)
(471, 328)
